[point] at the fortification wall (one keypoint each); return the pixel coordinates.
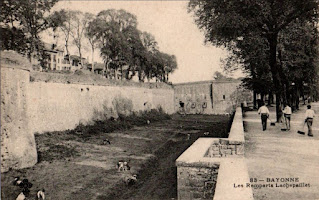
(18, 148)
(59, 106)
(224, 96)
(207, 97)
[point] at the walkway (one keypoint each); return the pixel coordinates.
(275, 154)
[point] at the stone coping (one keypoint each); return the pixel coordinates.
(236, 134)
(195, 154)
(233, 171)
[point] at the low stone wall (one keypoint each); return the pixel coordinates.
(197, 173)
(234, 144)
(211, 166)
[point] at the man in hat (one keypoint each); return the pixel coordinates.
(310, 114)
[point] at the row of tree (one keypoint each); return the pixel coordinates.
(274, 41)
(122, 46)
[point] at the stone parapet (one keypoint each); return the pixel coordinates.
(232, 179)
(197, 173)
(234, 144)
(210, 167)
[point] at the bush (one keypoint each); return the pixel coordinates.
(123, 122)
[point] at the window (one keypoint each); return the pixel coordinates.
(54, 58)
(224, 97)
(58, 60)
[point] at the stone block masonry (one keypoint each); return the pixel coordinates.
(18, 149)
(60, 106)
(197, 182)
(40, 106)
(223, 148)
(209, 168)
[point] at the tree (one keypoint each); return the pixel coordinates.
(28, 17)
(151, 46)
(113, 43)
(218, 76)
(92, 34)
(299, 58)
(62, 20)
(227, 22)
(78, 24)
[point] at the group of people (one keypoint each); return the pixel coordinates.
(287, 112)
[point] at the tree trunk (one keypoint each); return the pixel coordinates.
(269, 98)
(93, 59)
(121, 72)
(272, 40)
(79, 48)
(255, 99)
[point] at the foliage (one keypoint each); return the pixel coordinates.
(252, 32)
(218, 76)
(23, 20)
(123, 47)
(123, 122)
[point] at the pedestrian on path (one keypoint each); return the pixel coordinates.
(287, 114)
(310, 114)
(264, 113)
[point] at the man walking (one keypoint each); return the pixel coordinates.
(310, 114)
(264, 112)
(287, 113)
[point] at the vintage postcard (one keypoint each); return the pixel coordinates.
(188, 99)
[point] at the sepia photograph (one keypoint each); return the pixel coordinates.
(159, 99)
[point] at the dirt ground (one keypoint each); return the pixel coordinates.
(73, 167)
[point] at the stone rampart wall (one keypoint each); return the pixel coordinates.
(18, 148)
(207, 97)
(59, 106)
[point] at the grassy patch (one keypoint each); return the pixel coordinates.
(82, 168)
(122, 123)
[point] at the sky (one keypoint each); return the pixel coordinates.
(174, 30)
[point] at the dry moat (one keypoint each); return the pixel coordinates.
(73, 165)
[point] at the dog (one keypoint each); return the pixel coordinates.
(25, 184)
(123, 166)
(21, 196)
(188, 136)
(25, 193)
(41, 195)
